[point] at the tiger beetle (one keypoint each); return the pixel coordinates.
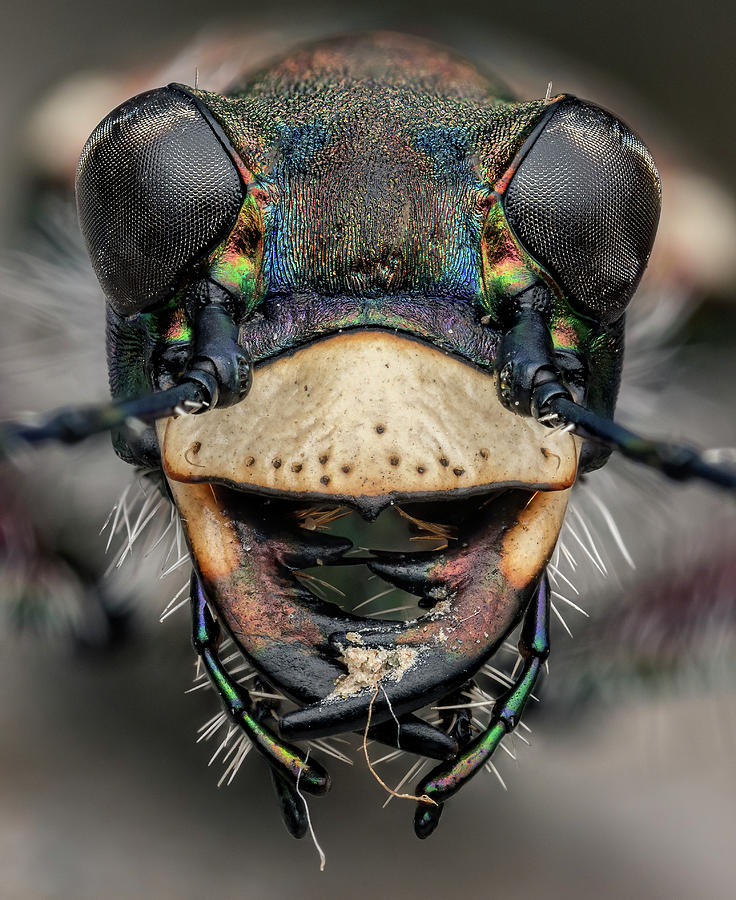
(367, 279)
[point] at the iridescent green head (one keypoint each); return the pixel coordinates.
(370, 211)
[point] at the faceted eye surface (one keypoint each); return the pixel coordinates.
(585, 204)
(156, 189)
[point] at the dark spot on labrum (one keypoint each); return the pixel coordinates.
(394, 460)
(345, 469)
(420, 469)
(458, 471)
(296, 467)
(250, 460)
(380, 429)
(444, 461)
(323, 459)
(276, 463)
(325, 479)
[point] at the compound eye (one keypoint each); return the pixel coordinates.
(585, 204)
(157, 188)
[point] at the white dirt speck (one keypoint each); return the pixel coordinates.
(368, 666)
(440, 610)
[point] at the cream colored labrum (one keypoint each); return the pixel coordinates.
(368, 413)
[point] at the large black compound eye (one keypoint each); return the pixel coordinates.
(157, 188)
(585, 204)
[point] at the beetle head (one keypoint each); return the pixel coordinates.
(372, 228)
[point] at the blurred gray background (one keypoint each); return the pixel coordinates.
(103, 792)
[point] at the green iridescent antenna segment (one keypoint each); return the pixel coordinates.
(286, 759)
(447, 779)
